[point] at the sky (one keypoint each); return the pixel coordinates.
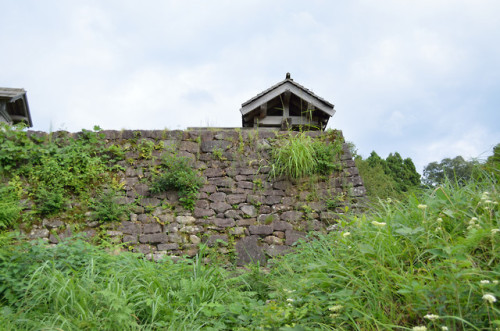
(421, 78)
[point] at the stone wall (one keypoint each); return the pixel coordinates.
(241, 212)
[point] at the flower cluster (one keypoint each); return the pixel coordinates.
(473, 224)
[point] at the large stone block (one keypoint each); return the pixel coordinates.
(213, 240)
(249, 210)
(220, 207)
(213, 172)
(224, 222)
(292, 216)
(209, 146)
(217, 197)
(200, 212)
(185, 220)
(293, 236)
(281, 226)
(233, 199)
(152, 228)
(248, 251)
(260, 229)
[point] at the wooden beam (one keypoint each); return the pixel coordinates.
(286, 103)
(263, 111)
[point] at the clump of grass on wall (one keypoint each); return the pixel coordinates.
(10, 209)
(298, 155)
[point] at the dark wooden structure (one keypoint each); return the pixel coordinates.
(14, 107)
(287, 105)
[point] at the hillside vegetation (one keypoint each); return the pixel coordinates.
(429, 261)
(421, 259)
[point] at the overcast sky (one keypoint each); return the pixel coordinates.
(418, 77)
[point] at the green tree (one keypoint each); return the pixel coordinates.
(458, 170)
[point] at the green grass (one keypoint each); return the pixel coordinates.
(435, 253)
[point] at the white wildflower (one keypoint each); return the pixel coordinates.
(493, 231)
(438, 229)
(419, 328)
(423, 207)
(290, 300)
(484, 281)
(431, 317)
(495, 282)
(381, 224)
(473, 219)
(335, 308)
(444, 328)
(288, 291)
(489, 297)
(439, 220)
(346, 234)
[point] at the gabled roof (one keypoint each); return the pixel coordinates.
(293, 87)
(14, 105)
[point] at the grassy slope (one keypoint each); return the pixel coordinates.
(387, 270)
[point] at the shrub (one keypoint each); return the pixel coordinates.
(10, 209)
(106, 207)
(177, 174)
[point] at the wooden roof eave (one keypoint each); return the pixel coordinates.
(281, 88)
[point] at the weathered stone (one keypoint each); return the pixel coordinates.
(194, 239)
(213, 172)
(129, 239)
(168, 247)
(191, 229)
(145, 218)
(166, 218)
(279, 234)
(245, 185)
(255, 199)
(293, 236)
(52, 224)
(247, 171)
(149, 202)
(246, 221)
(223, 222)
(174, 238)
(171, 228)
(240, 178)
(213, 240)
(38, 233)
(249, 210)
(248, 251)
(189, 146)
(359, 191)
(208, 188)
(260, 229)
(156, 238)
(221, 181)
(129, 227)
(235, 214)
(272, 240)
(281, 185)
(233, 199)
(220, 207)
(271, 200)
(237, 231)
(124, 200)
(185, 219)
(267, 218)
(264, 209)
(199, 212)
(329, 216)
(203, 204)
(141, 189)
(144, 249)
(277, 250)
(112, 233)
(133, 217)
(209, 146)
(281, 226)
(291, 216)
(152, 228)
(217, 197)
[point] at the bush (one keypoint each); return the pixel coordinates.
(106, 207)
(10, 209)
(177, 174)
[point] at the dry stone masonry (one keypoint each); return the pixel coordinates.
(241, 212)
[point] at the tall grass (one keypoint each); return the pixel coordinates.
(430, 261)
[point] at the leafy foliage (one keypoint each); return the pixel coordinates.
(457, 170)
(177, 174)
(392, 177)
(56, 166)
(10, 209)
(106, 207)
